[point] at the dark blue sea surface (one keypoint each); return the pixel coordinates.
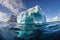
(14, 31)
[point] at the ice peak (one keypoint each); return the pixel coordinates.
(34, 9)
(37, 6)
(32, 15)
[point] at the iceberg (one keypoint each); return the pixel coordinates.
(32, 15)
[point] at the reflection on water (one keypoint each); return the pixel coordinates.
(14, 31)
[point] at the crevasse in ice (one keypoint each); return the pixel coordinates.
(32, 15)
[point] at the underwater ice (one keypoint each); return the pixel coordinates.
(26, 18)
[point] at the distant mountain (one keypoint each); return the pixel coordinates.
(13, 18)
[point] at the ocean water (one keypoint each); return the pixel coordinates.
(14, 31)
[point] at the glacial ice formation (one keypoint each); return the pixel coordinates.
(32, 15)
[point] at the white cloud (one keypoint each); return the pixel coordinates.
(3, 16)
(13, 5)
(48, 20)
(53, 19)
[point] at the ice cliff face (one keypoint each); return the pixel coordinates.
(32, 15)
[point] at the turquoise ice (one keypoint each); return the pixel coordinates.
(26, 18)
(32, 15)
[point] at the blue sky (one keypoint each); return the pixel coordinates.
(51, 8)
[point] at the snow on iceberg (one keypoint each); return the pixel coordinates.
(32, 15)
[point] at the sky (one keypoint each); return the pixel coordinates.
(51, 8)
